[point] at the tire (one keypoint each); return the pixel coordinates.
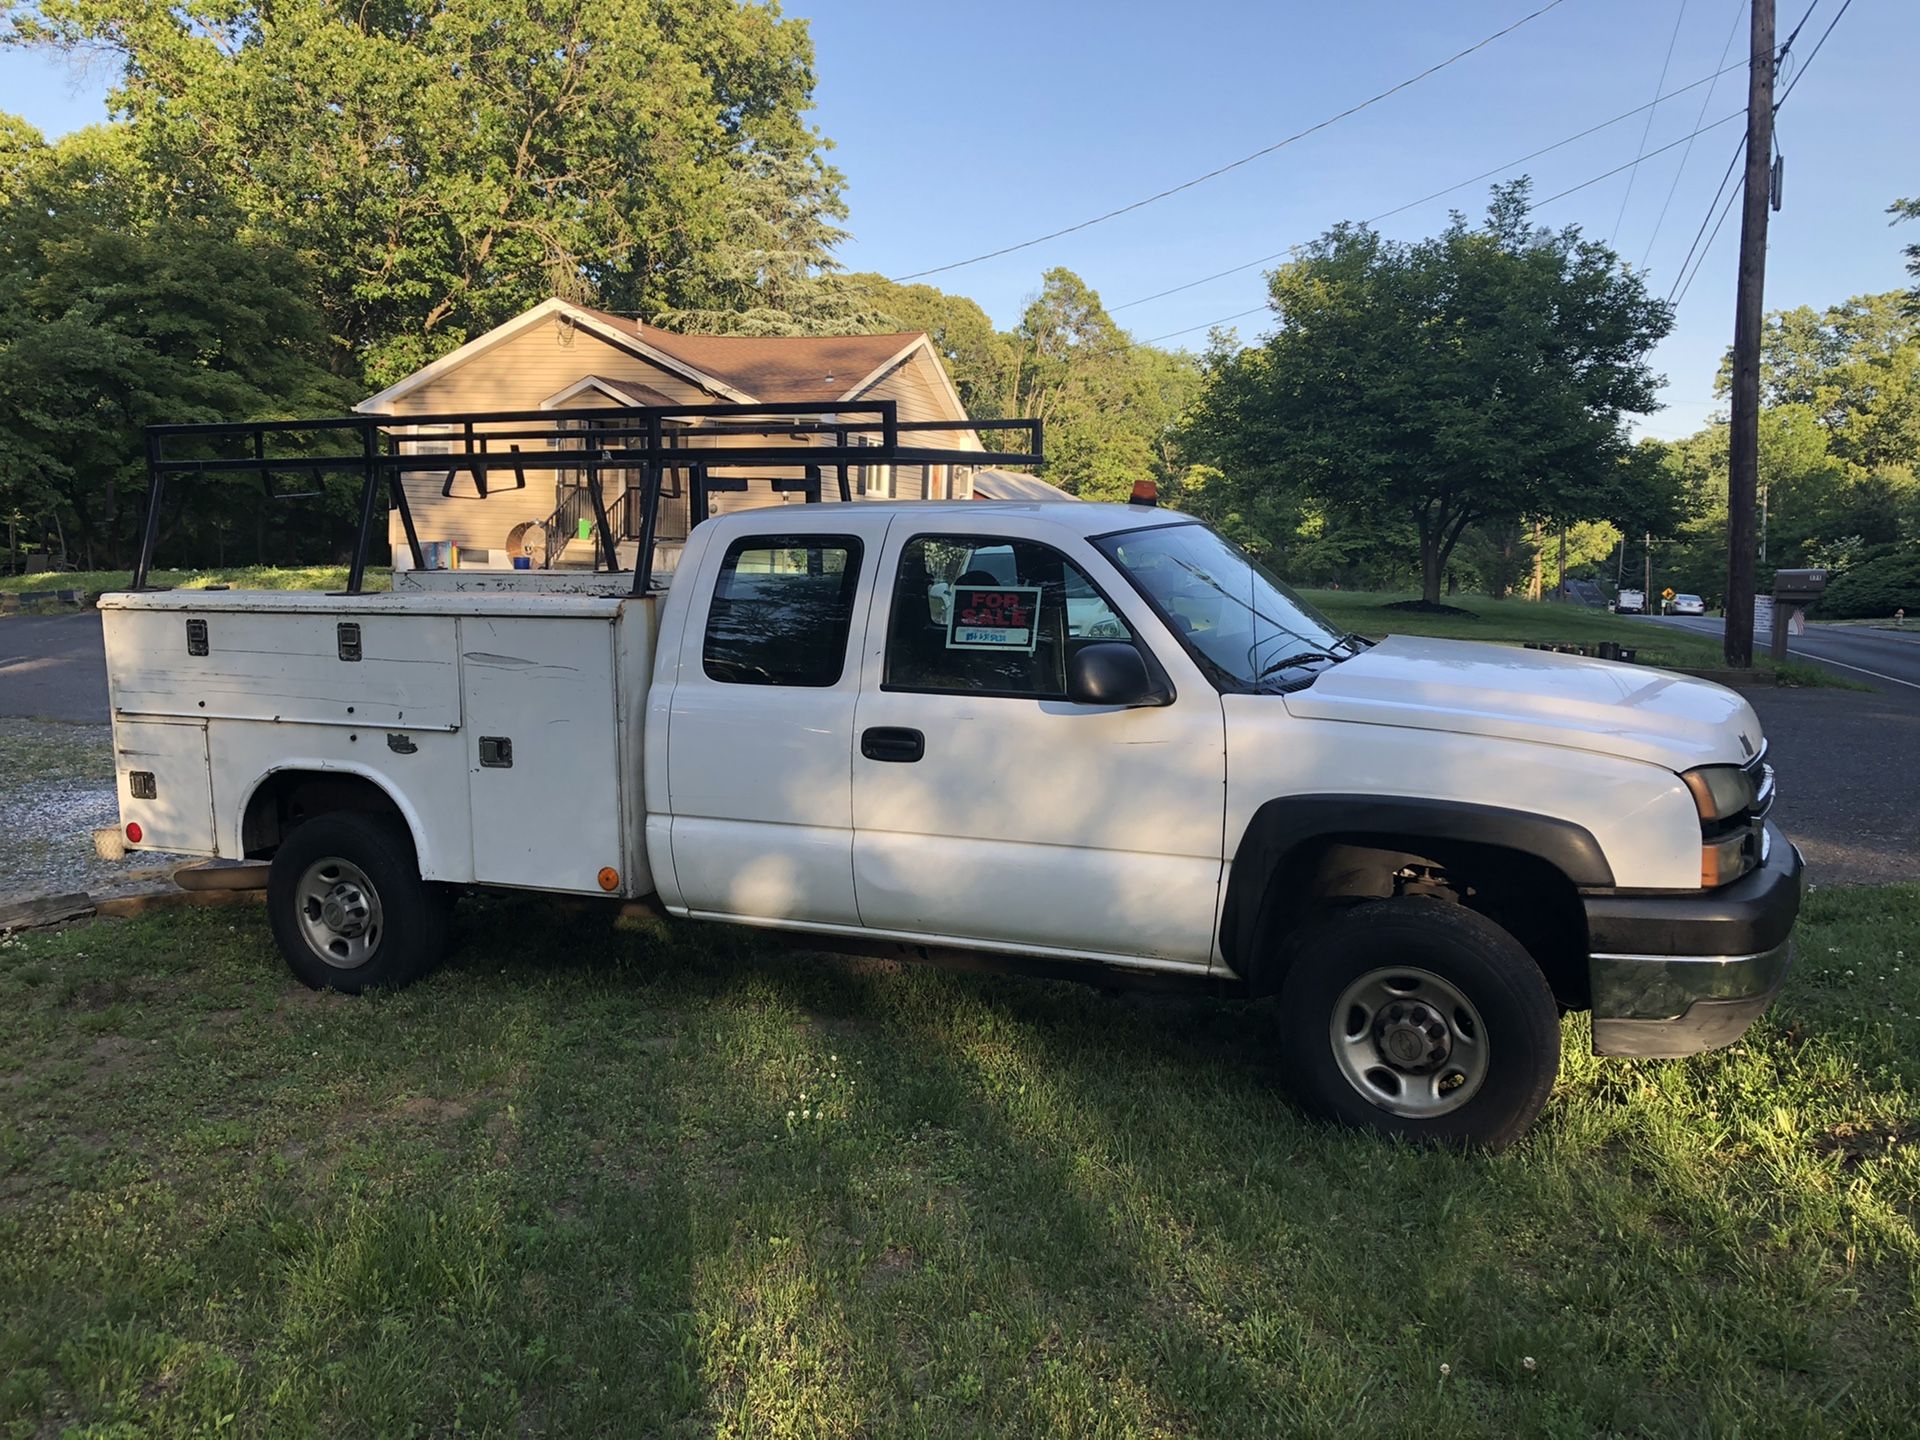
(1419, 1018)
(348, 907)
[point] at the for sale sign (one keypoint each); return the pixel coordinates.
(994, 617)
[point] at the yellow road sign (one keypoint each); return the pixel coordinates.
(1667, 594)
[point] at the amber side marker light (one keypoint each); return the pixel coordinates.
(609, 879)
(134, 832)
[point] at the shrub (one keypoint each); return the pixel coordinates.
(1875, 588)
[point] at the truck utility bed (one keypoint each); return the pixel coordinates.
(511, 724)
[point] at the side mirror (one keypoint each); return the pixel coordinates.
(1111, 673)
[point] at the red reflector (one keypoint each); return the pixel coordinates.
(133, 831)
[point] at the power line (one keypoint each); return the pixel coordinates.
(1797, 74)
(1725, 210)
(1738, 151)
(1243, 160)
(1683, 280)
(1700, 130)
(1207, 325)
(1647, 129)
(1739, 8)
(1557, 195)
(1609, 174)
(1448, 190)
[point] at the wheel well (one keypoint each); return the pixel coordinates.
(1530, 898)
(287, 797)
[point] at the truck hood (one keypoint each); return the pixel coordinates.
(1535, 695)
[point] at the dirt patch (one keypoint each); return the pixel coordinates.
(1855, 1144)
(893, 1265)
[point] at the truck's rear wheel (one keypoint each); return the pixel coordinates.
(1418, 1017)
(348, 906)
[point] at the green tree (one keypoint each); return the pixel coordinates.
(1483, 373)
(1910, 210)
(982, 362)
(1110, 406)
(1855, 367)
(112, 319)
(441, 167)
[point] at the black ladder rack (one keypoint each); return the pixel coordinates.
(622, 437)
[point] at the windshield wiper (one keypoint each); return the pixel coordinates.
(1354, 642)
(1299, 657)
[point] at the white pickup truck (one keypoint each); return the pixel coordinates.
(1076, 738)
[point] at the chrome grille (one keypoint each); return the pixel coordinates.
(1761, 773)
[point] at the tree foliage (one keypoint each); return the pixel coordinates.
(1111, 407)
(113, 317)
(1482, 373)
(442, 167)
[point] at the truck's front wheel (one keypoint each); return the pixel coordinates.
(348, 907)
(1418, 1017)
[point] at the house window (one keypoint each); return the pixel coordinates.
(782, 610)
(430, 440)
(990, 616)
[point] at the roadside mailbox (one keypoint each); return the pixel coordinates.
(1793, 592)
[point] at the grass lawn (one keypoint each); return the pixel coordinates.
(621, 1181)
(1518, 621)
(239, 577)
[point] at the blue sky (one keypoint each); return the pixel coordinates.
(962, 128)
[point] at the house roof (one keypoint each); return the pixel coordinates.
(632, 391)
(773, 367)
(739, 368)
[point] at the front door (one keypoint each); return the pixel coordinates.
(760, 728)
(988, 807)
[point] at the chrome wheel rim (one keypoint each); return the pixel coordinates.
(339, 912)
(1409, 1042)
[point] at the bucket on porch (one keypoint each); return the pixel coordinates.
(523, 562)
(585, 532)
(440, 554)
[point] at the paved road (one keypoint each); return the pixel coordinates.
(1882, 658)
(54, 667)
(1849, 764)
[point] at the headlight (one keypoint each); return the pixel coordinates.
(1721, 792)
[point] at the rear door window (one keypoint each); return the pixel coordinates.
(782, 610)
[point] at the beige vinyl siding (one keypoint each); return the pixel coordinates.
(523, 371)
(916, 388)
(517, 374)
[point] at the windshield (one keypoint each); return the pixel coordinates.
(1247, 630)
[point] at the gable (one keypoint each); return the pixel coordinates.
(531, 365)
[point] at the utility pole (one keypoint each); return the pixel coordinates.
(1743, 460)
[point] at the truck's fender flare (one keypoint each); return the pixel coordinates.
(409, 814)
(1279, 827)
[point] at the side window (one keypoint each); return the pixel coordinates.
(781, 610)
(990, 616)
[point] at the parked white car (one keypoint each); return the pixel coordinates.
(1113, 747)
(1689, 605)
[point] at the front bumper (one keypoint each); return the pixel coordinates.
(1674, 975)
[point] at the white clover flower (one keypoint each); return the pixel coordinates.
(1445, 1369)
(1528, 1363)
(789, 1115)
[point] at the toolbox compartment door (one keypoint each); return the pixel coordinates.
(165, 785)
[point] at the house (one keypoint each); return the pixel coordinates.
(564, 357)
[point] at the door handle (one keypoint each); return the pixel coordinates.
(893, 742)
